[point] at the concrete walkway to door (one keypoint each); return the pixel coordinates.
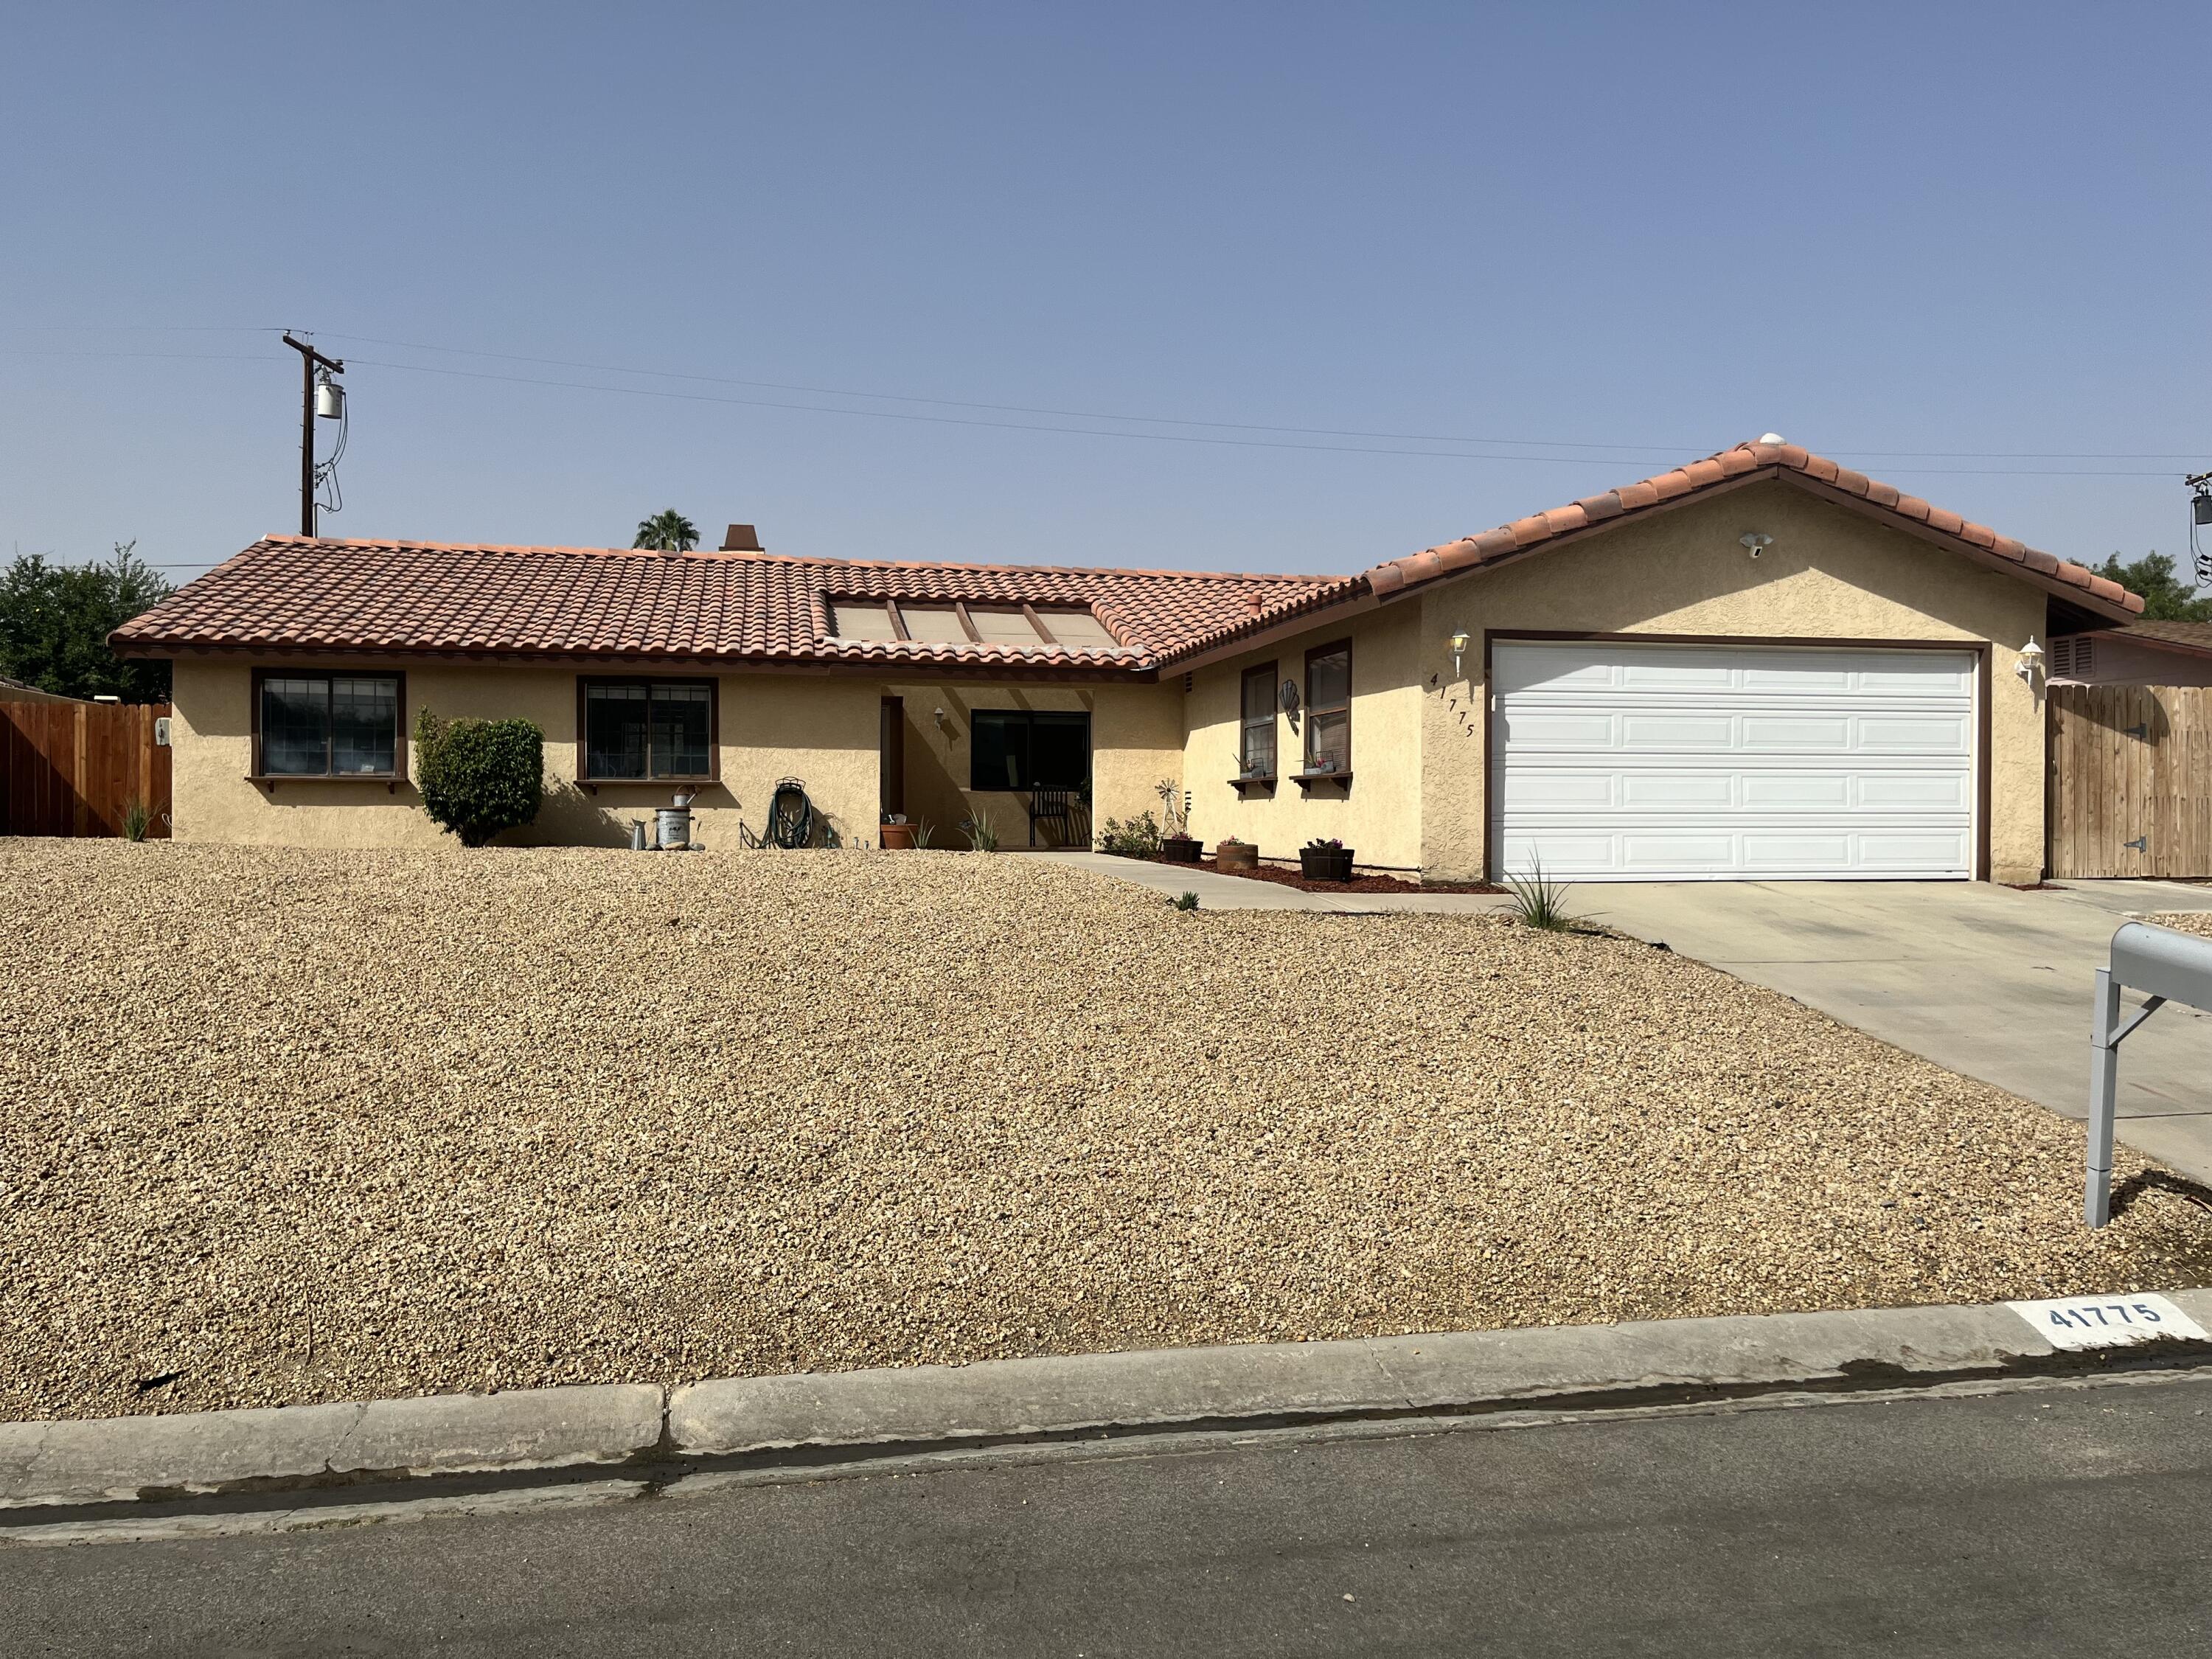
(1987, 980)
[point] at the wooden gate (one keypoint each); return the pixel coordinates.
(2130, 791)
(74, 768)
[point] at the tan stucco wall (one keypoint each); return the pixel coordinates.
(1378, 814)
(1829, 574)
(821, 730)
(1136, 739)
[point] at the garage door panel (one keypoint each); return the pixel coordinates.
(1531, 730)
(1765, 852)
(1619, 762)
(1676, 790)
(1914, 791)
(1648, 732)
(1928, 734)
(1537, 792)
(1691, 671)
(1797, 791)
(1950, 677)
(1912, 852)
(1800, 734)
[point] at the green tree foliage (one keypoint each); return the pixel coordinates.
(670, 532)
(2166, 597)
(479, 777)
(55, 620)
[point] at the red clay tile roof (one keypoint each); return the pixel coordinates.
(295, 594)
(1788, 461)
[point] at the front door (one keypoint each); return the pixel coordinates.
(891, 756)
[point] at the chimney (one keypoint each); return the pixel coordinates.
(742, 538)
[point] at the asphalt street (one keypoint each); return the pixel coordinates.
(2059, 1519)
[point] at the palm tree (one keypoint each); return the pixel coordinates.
(668, 533)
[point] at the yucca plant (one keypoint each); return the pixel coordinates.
(136, 818)
(982, 836)
(925, 833)
(1187, 902)
(1539, 902)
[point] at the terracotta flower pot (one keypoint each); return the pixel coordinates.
(897, 837)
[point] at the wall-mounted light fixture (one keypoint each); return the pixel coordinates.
(1756, 543)
(1458, 649)
(2030, 659)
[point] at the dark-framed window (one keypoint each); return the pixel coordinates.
(1255, 742)
(313, 725)
(1026, 749)
(642, 730)
(1329, 707)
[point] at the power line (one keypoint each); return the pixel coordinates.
(1172, 437)
(1159, 420)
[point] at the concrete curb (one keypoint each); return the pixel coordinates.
(44, 1465)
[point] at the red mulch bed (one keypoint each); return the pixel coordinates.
(1370, 883)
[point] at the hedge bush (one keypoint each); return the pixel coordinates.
(479, 777)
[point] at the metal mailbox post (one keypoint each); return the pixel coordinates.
(2167, 967)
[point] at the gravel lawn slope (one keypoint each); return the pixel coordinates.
(284, 1125)
(2186, 921)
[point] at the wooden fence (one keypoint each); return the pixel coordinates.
(74, 768)
(2130, 791)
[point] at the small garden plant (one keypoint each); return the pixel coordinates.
(1187, 902)
(135, 818)
(1539, 902)
(479, 777)
(982, 835)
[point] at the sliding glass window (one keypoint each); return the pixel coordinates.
(327, 726)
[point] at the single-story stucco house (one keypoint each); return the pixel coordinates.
(1760, 666)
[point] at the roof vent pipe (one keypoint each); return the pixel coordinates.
(742, 538)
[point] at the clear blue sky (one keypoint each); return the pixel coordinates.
(1660, 229)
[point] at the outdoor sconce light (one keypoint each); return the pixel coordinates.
(2031, 658)
(1756, 543)
(1458, 650)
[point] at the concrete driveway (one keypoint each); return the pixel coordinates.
(1984, 980)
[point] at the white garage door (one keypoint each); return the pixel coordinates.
(1672, 762)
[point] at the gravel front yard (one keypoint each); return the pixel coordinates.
(279, 1126)
(2186, 921)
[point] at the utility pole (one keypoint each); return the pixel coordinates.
(2200, 515)
(331, 406)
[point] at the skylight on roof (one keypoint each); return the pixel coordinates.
(940, 621)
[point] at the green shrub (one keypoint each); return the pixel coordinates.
(479, 777)
(135, 818)
(1139, 838)
(1187, 902)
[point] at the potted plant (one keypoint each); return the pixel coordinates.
(1323, 860)
(895, 835)
(1178, 845)
(1235, 854)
